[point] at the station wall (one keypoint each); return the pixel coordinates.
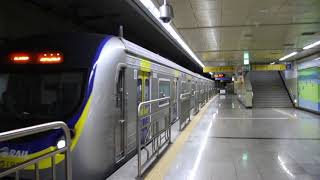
(303, 83)
(309, 88)
(291, 81)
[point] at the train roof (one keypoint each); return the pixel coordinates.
(80, 46)
(140, 51)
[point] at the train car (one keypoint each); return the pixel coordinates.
(94, 84)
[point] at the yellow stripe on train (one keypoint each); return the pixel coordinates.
(145, 65)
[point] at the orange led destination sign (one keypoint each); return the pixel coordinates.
(40, 58)
(20, 57)
(50, 58)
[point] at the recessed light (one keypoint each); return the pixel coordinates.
(312, 45)
(288, 44)
(308, 33)
(288, 56)
(264, 11)
(247, 35)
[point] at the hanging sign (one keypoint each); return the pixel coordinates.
(208, 69)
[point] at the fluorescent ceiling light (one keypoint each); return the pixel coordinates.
(287, 56)
(312, 45)
(156, 13)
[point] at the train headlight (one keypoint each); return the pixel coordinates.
(61, 143)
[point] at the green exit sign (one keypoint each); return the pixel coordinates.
(246, 58)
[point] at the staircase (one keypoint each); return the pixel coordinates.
(269, 90)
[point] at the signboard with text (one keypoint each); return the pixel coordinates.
(208, 69)
(269, 67)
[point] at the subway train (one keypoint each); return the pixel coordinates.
(94, 84)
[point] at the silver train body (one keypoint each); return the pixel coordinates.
(117, 78)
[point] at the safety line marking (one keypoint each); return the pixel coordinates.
(249, 118)
(262, 138)
(160, 170)
(285, 113)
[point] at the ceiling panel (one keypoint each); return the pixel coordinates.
(208, 18)
(184, 15)
(220, 30)
(201, 39)
(200, 5)
(238, 7)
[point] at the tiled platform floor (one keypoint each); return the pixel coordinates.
(234, 143)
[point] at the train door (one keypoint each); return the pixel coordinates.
(143, 89)
(120, 128)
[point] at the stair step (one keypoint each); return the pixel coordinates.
(269, 90)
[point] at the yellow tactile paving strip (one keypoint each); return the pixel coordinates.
(159, 171)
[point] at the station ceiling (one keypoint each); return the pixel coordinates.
(218, 31)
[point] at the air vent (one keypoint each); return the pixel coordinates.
(308, 33)
(288, 44)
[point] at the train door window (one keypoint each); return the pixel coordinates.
(189, 86)
(164, 90)
(174, 95)
(193, 88)
(183, 87)
(120, 92)
(147, 93)
(147, 90)
(139, 91)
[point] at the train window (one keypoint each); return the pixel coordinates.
(164, 90)
(40, 96)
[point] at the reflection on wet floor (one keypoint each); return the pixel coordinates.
(232, 143)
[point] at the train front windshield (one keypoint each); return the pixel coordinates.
(33, 98)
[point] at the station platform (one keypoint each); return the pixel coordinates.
(226, 141)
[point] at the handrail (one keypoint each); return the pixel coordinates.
(151, 102)
(182, 96)
(156, 139)
(14, 134)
